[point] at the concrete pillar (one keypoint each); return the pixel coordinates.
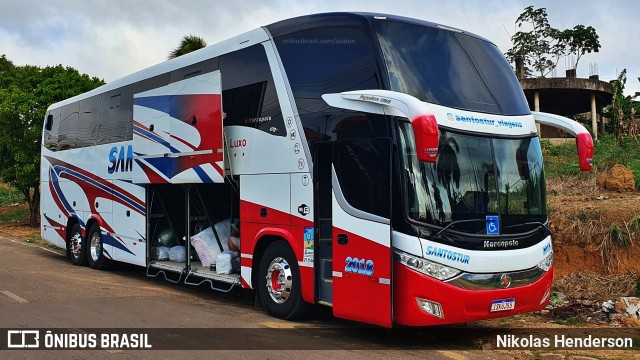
(594, 117)
(536, 107)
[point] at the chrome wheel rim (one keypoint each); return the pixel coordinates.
(95, 245)
(76, 245)
(279, 280)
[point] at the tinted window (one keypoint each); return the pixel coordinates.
(329, 60)
(51, 136)
(151, 83)
(200, 68)
(88, 121)
(249, 96)
(68, 127)
(363, 170)
(115, 123)
(450, 69)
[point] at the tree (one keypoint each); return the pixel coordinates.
(188, 44)
(623, 110)
(543, 46)
(579, 41)
(25, 94)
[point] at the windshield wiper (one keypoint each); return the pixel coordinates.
(539, 224)
(439, 233)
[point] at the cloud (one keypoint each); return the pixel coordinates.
(110, 39)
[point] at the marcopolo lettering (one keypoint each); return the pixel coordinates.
(448, 255)
(500, 244)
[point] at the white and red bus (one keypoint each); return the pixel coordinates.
(387, 167)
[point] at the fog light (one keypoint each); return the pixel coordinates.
(430, 307)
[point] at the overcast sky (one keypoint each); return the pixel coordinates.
(112, 38)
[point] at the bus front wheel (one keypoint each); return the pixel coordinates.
(279, 282)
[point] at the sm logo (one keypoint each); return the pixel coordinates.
(120, 160)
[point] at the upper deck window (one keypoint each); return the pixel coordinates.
(449, 68)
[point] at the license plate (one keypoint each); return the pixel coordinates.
(503, 305)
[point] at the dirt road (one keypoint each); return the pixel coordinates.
(40, 289)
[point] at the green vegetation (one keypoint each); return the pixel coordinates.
(618, 236)
(562, 160)
(25, 93)
(188, 44)
(9, 195)
(543, 46)
(17, 214)
(571, 321)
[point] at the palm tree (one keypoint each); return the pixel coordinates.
(188, 44)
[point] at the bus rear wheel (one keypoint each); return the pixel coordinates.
(76, 246)
(279, 282)
(97, 260)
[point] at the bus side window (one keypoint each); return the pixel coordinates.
(52, 125)
(249, 95)
(116, 122)
(193, 70)
(330, 60)
(68, 127)
(88, 122)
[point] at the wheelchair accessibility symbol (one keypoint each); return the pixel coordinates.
(493, 225)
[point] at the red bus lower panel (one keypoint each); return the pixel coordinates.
(459, 305)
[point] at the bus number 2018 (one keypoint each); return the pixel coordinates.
(358, 266)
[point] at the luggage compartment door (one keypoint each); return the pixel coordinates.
(178, 136)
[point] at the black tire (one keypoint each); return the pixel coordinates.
(95, 252)
(76, 246)
(283, 301)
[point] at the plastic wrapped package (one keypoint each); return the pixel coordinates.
(225, 260)
(160, 253)
(178, 254)
(206, 245)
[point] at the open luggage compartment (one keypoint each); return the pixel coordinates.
(176, 214)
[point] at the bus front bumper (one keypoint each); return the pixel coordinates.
(458, 305)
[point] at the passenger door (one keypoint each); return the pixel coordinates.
(361, 235)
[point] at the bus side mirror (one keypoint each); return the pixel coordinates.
(424, 123)
(427, 137)
(584, 142)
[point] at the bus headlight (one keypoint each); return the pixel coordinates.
(433, 269)
(546, 263)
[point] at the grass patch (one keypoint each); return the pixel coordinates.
(9, 195)
(618, 236)
(17, 214)
(571, 321)
(562, 160)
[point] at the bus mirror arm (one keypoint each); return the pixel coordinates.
(423, 121)
(584, 141)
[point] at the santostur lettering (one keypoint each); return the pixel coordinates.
(448, 255)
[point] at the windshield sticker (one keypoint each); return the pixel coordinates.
(484, 121)
(493, 225)
(447, 254)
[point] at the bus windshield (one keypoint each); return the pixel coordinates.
(448, 68)
(474, 177)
